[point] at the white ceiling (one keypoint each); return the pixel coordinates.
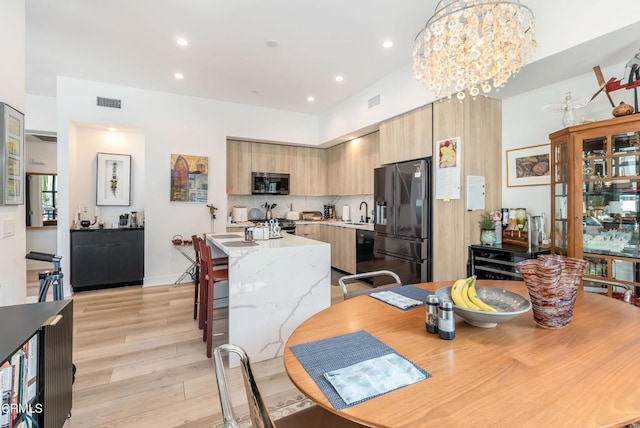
(133, 43)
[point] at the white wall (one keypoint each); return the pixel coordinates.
(12, 84)
(524, 123)
(560, 25)
(171, 124)
(41, 113)
(91, 141)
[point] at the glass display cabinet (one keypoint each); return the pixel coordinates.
(595, 176)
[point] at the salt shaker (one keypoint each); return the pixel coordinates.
(446, 321)
(432, 314)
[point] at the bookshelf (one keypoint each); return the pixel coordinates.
(35, 364)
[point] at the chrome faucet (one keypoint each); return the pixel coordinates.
(364, 218)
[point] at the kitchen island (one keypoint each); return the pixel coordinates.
(274, 285)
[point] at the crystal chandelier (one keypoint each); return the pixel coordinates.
(473, 45)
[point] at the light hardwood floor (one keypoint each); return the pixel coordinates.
(141, 360)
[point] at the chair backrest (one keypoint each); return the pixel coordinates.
(349, 294)
(205, 261)
(257, 409)
(196, 246)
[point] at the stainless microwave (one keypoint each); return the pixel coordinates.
(269, 183)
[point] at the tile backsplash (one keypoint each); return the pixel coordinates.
(304, 203)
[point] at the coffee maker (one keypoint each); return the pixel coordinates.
(134, 219)
(124, 220)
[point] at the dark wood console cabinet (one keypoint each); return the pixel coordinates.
(102, 258)
(50, 326)
(499, 261)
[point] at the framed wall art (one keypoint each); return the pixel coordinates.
(12, 158)
(529, 166)
(114, 179)
(189, 178)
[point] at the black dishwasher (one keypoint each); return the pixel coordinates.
(364, 250)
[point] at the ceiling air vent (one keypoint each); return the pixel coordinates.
(109, 102)
(374, 101)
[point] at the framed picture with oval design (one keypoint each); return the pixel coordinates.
(113, 179)
(529, 166)
(12, 156)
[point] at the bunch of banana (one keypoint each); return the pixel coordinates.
(463, 293)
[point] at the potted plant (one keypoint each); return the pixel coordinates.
(487, 229)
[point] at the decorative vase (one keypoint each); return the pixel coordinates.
(488, 237)
(552, 282)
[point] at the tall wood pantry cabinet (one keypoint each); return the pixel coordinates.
(595, 202)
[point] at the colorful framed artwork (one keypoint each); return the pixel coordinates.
(189, 178)
(12, 158)
(113, 179)
(529, 166)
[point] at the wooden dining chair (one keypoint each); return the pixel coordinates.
(196, 275)
(349, 278)
(312, 417)
(200, 287)
(211, 278)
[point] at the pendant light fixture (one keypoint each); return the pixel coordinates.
(473, 45)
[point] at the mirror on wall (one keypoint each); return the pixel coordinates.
(41, 199)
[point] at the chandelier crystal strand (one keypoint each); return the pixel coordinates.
(473, 45)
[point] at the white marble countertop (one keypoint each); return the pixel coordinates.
(287, 241)
(334, 223)
(339, 223)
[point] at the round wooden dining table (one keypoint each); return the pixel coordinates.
(516, 374)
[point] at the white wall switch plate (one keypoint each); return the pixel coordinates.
(8, 227)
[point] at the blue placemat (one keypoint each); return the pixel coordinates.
(411, 292)
(337, 352)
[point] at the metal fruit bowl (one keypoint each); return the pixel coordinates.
(508, 304)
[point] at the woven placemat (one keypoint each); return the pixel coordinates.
(338, 352)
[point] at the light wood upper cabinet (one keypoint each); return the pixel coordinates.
(238, 167)
(336, 156)
(408, 136)
(350, 166)
(317, 172)
(299, 170)
(270, 158)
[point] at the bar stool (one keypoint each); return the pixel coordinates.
(199, 310)
(211, 277)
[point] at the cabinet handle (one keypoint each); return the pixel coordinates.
(55, 319)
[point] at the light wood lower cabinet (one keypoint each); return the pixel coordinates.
(343, 248)
(311, 231)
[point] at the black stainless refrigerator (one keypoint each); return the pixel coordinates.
(402, 199)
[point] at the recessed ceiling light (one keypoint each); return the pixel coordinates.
(112, 129)
(179, 76)
(272, 44)
(182, 41)
(311, 99)
(387, 44)
(339, 78)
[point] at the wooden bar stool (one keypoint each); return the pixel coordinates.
(199, 310)
(211, 277)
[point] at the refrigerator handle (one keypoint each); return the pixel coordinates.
(381, 213)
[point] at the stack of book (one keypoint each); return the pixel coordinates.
(18, 383)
